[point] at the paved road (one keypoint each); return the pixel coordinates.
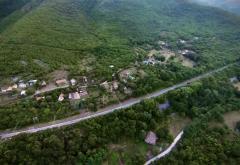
(104, 111)
(167, 151)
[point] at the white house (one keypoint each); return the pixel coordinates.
(73, 82)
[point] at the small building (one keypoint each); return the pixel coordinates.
(151, 138)
(73, 82)
(32, 82)
(61, 97)
(74, 96)
(182, 41)
(83, 93)
(105, 85)
(187, 52)
(61, 82)
(127, 91)
(23, 93)
(4, 89)
(43, 84)
(115, 85)
(85, 79)
(234, 80)
(164, 106)
(40, 98)
(111, 66)
(22, 85)
(162, 43)
(15, 86)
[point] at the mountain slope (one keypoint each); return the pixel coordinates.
(229, 5)
(64, 32)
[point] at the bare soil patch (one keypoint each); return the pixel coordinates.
(186, 62)
(58, 74)
(237, 86)
(167, 54)
(231, 119)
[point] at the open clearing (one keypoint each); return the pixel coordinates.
(231, 118)
(59, 74)
(177, 124)
(237, 86)
(167, 54)
(186, 62)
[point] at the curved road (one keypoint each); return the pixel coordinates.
(167, 151)
(104, 111)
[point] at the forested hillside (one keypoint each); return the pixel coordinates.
(229, 5)
(64, 32)
(60, 58)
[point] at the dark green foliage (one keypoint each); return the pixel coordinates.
(206, 145)
(86, 142)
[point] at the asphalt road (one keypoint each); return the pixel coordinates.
(104, 111)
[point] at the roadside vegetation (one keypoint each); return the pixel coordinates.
(90, 39)
(105, 139)
(116, 50)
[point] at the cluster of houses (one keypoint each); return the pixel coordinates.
(19, 86)
(150, 61)
(110, 86)
(77, 95)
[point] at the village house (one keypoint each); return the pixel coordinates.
(151, 138)
(162, 43)
(127, 91)
(14, 86)
(115, 85)
(32, 82)
(43, 84)
(61, 82)
(150, 61)
(187, 52)
(73, 82)
(111, 66)
(182, 41)
(6, 89)
(38, 98)
(23, 93)
(234, 80)
(85, 79)
(106, 86)
(74, 96)
(22, 85)
(61, 97)
(83, 93)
